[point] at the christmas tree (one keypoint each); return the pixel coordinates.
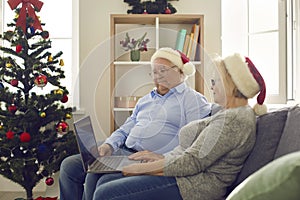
(34, 134)
(150, 7)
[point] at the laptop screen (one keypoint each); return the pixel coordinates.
(86, 141)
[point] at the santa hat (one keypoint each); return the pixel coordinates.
(177, 58)
(247, 79)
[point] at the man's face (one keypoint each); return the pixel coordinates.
(165, 74)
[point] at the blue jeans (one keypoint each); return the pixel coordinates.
(71, 178)
(74, 182)
(119, 187)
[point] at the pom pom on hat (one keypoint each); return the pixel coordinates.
(260, 109)
(247, 79)
(177, 58)
(188, 68)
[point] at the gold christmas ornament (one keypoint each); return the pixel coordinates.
(59, 91)
(42, 114)
(61, 62)
(8, 65)
(68, 116)
(50, 58)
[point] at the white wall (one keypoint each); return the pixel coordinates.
(94, 54)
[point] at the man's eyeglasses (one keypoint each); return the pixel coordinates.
(162, 71)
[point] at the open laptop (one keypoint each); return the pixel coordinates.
(92, 162)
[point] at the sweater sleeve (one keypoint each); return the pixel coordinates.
(224, 133)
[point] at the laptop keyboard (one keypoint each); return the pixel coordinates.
(111, 161)
(106, 163)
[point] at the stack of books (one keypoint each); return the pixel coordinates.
(188, 43)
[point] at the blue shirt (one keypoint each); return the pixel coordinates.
(156, 120)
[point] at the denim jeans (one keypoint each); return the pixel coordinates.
(74, 183)
(71, 178)
(119, 187)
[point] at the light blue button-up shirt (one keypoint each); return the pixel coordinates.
(156, 120)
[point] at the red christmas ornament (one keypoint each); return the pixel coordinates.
(62, 128)
(40, 80)
(168, 11)
(12, 108)
(49, 181)
(14, 82)
(19, 48)
(10, 135)
(25, 137)
(64, 99)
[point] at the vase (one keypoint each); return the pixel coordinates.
(135, 55)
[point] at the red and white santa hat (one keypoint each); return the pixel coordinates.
(177, 58)
(247, 79)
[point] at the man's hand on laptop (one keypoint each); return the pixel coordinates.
(105, 150)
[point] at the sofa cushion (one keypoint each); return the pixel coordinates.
(269, 128)
(280, 179)
(290, 139)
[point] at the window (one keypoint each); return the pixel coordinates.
(259, 29)
(63, 32)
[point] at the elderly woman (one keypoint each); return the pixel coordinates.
(211, 151)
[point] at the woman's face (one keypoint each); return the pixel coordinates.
(165, 74)
(218, 89)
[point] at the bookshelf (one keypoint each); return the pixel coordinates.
(131, 79)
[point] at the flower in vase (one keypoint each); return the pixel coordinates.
(129, 44)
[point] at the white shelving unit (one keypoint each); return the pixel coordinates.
(132, 78)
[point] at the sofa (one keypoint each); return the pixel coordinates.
(272, 170)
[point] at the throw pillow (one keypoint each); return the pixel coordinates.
(280, 179)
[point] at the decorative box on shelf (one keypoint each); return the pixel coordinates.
(126, 102)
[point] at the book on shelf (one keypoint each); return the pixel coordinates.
(180, 40)
(199, 48)
(195, 31)
(186, 44)
(189, 50)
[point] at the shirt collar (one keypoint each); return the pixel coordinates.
(179, 89)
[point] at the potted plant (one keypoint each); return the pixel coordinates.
(134, 46)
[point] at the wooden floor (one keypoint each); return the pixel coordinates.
(14, 195)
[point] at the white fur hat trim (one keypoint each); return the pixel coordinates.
(174, 56)
(241, 75)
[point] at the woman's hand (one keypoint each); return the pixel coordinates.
(133, 169)
(146, 156)
(151, 168)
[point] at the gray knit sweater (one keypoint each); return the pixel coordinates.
(211, 153)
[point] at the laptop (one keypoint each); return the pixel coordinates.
(91, 160)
